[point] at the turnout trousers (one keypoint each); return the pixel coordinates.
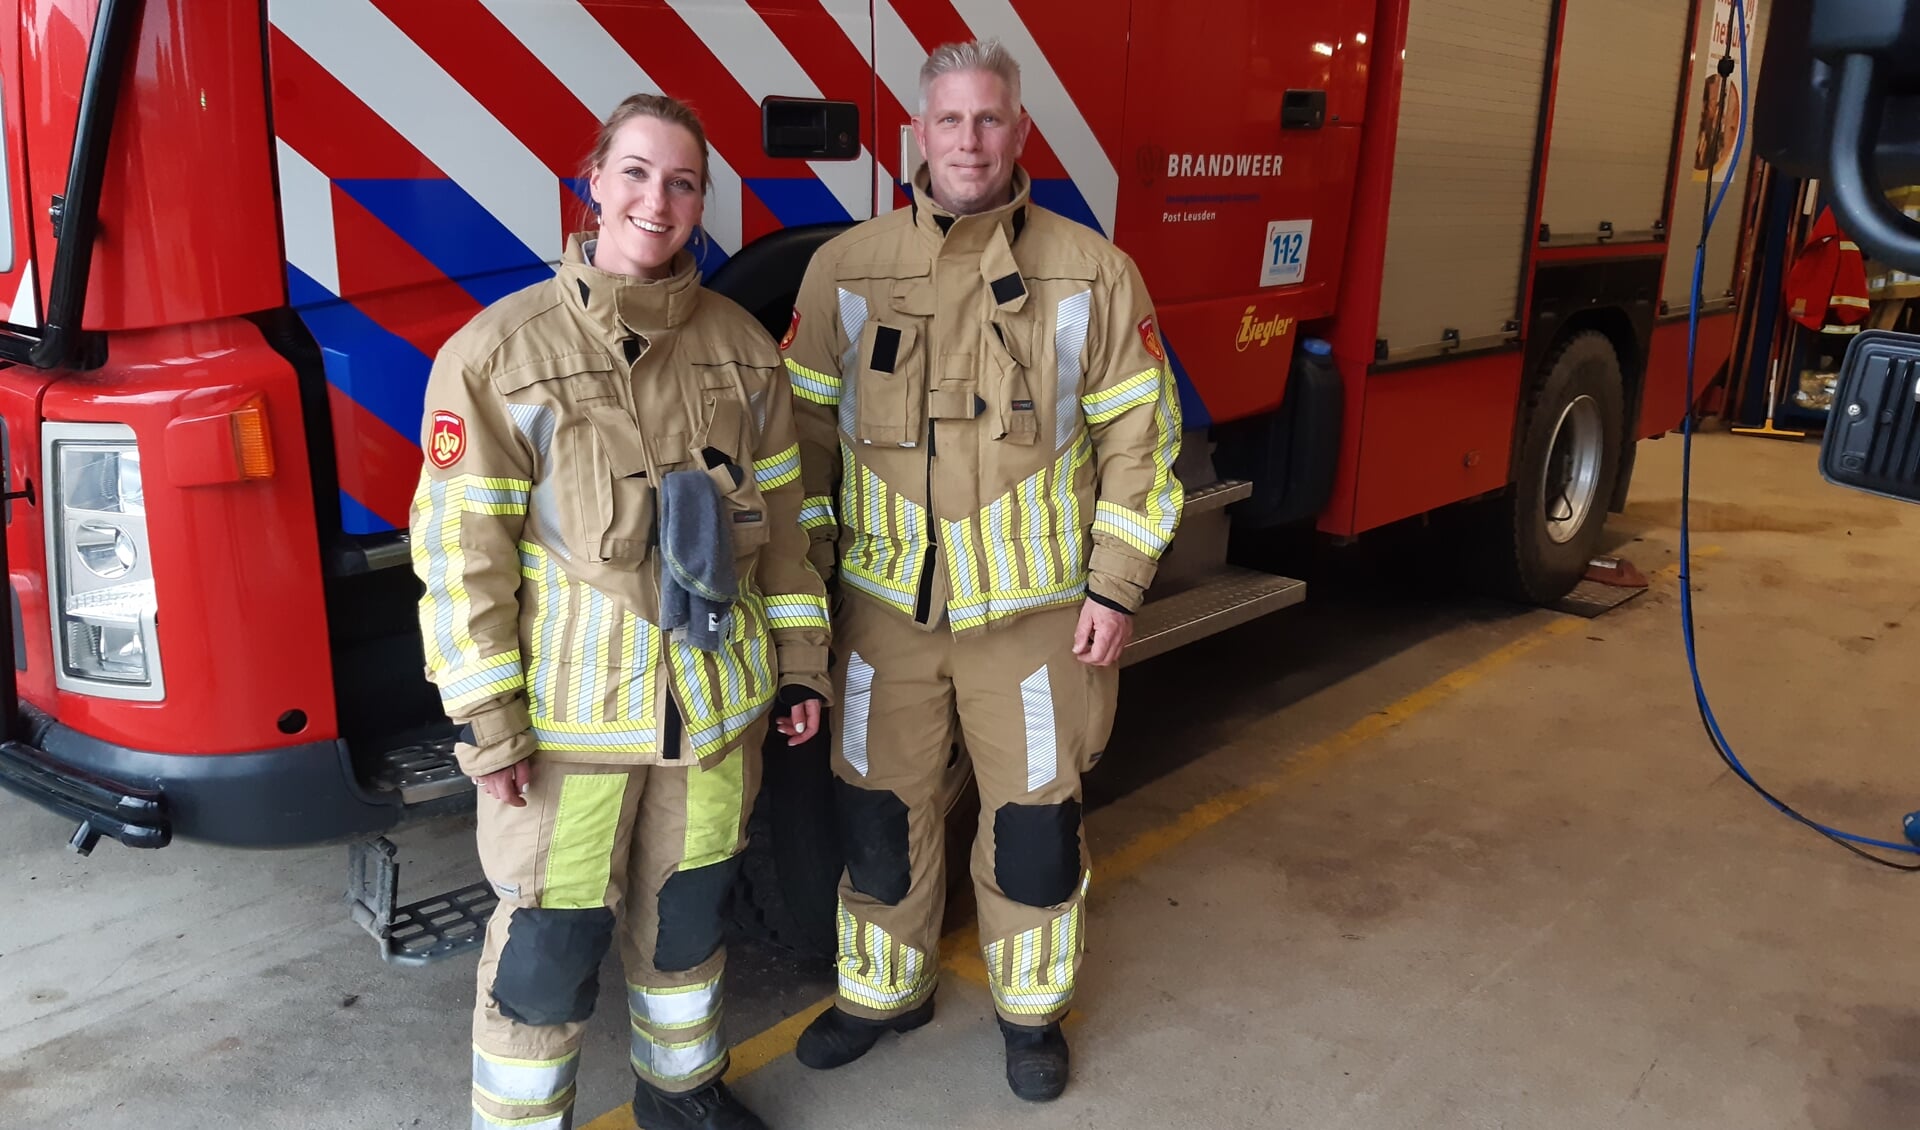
(642, 853)
(1032, 717)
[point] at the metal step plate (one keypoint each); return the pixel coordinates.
(421, 772)
(1215, 495)
(1229, 598)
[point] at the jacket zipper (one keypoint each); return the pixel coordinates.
(922, 607)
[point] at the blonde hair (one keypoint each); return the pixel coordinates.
(663, 107)
(986, 55)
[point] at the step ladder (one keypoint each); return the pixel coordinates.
(1197, 593)
(426, 777)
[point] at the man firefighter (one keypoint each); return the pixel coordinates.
(988, 429)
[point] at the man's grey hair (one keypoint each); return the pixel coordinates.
(975, 55)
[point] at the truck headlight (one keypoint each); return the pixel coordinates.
(99, 563)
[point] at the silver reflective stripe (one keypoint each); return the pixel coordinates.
(561, 1121)
(853, 319)
(674, 1008)
(537, 424)
(853, 714)
(675, 1061)
(1043, 761)
(1069, 345)
(523, 1082)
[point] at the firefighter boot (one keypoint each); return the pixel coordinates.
(835, 1039)
(1036, 1061)
(711, 1107)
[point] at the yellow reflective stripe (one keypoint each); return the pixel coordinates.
(1849, 245)
(537, 1122)
(1167, 496)
(1860, 303)
(715, 798)
(580, 851)
(1136, 390)
(797, 610)
(811, 384)
(1129, 527)
(493, 675)
(777, 471)
(816, 511)
(868, 973)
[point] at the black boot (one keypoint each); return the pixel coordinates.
(835, 1039)
(711, 1107)
(1036, 1061)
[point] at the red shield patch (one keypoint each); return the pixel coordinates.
(792, 329)
(447, 441)
(1150, 339)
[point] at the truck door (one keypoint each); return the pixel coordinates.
(19, 286)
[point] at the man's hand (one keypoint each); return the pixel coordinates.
(509, 785)
(802, 724)
(1101, 635)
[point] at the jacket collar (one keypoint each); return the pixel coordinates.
(620, 306)
(966, 234)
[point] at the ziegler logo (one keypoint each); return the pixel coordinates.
(1254, 333)
(447, 442)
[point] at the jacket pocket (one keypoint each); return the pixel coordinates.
(728, 457)
(891, 386)
(612, 497)
(1010, 384)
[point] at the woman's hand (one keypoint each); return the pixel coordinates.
(802, 723)
(509, 785)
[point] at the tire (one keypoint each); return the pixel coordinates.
(788, 892)
(1548, 526)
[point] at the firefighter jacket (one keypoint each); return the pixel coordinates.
(1827, 288)
(549, 419)
(987, 418)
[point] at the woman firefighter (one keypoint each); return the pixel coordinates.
(616, 600)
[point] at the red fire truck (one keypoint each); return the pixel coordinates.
(1406, 254)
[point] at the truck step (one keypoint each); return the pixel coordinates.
(419, 933)
(419, 772)
(1214, 496)
(1227, 598)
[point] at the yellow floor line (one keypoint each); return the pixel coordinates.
(960, 948)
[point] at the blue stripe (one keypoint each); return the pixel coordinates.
(1059, 195)
(798, 200)
(454, 233)
(1193, 410)
(357, 519)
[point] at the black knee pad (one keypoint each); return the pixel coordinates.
(1036, 851)
(873, 833)
(692, 907)
(549, 970)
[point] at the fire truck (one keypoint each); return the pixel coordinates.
(1407, 255)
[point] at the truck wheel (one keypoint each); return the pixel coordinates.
(1548, 526)
(790, 872)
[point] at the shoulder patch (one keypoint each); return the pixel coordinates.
(1150, 339)
(793, 328)
(447, 441)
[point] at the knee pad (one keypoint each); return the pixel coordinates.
(1036, 851)
(549, 971)
(873, 833)
(692, 907)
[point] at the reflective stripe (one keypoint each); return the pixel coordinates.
(496, 674)
(1167, 496)
(1069, 345)
(602, 736)
(853, 320)
(816, 511)
(811, 384)
(855, 711)
(1000, 605)
(580, 852)
(778, 470)
(537, 423)
(1840, 329)
(523, 1082)
(1130, 393)
(1860, 303)
(714, 800)
(1023, 983)
(797, 610)
(1849, 245)
(1128, 527)
(562, 1121)
(1036, 700)
(870, 972)
(676, 1007)
(674, 1062)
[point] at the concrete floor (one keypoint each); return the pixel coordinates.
(1391, 859)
